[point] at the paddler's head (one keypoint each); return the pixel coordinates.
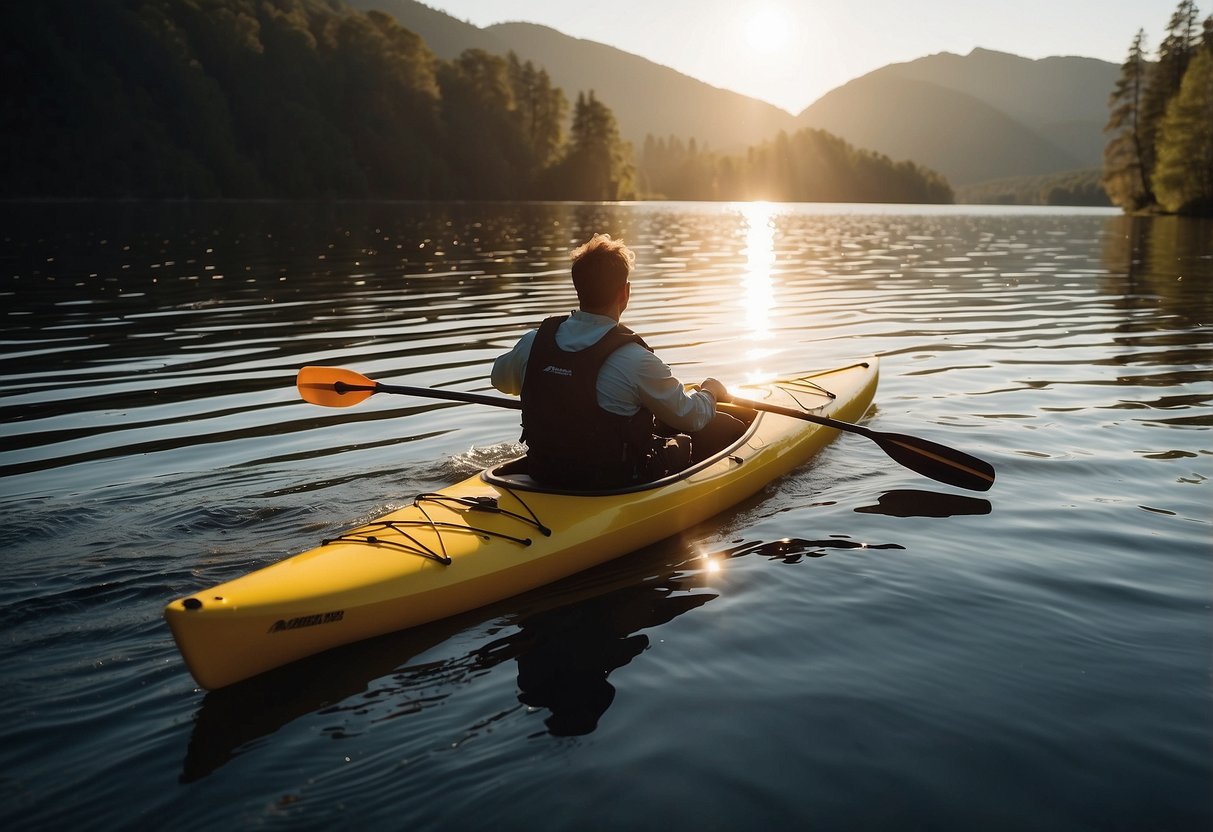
(601, 269)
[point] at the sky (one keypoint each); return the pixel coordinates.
(791, 52)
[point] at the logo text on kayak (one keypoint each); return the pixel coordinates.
(306, 621)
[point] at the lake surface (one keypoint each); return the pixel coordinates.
(873, 651)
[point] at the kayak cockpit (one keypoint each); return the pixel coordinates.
(515, 473)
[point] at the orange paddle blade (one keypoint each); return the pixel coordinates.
(333, 386)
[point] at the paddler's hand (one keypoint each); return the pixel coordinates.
(718, 391)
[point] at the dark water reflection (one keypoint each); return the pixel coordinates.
(562, 655)
(908, 502)
(1037, 657)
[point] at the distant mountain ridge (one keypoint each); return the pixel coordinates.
(977, 117)
(963, 137)
(646, 97)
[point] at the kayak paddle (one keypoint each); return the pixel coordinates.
(939, 462)
(335, 387)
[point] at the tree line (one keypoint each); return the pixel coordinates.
(263, 98)
(311, 99)
(1160, 150)
(1075, 187)
(806, 166)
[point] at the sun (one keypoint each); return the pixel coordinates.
(767, 29)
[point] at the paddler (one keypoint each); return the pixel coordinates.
(599, 408)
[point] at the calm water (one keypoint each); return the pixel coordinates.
(876, 650)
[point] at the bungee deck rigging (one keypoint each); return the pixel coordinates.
(366, 533)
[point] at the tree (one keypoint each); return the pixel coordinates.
(598, 164)
(482, 137)
(1174, 53)
(310, 98)
(806, 166)
(1184, 175)
(540, 110)
(387, 95)
(1128, 156)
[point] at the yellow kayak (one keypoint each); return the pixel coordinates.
(492, 536)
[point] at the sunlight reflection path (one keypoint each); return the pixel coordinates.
(758, 291)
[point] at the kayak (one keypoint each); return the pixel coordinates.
(490, 537)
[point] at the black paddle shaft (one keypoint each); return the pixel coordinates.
(453, 395)
(939, 462)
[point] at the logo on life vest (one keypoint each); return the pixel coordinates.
(560, 371)
(306, 621)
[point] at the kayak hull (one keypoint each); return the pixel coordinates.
(487, 538)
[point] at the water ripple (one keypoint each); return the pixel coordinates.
(843, 636)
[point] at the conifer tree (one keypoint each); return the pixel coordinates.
(598, 164)
(1128, 156)
(1184, 175)
(1165, 77)
(540, 110)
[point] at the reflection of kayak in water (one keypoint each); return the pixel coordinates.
(564, 644)
(489, 537)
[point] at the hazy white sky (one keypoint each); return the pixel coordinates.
(790, 52)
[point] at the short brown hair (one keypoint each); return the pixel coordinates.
(600, 269)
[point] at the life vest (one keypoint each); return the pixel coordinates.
(571, 441)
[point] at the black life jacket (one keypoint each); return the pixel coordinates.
(571, 441)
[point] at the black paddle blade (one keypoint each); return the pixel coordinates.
(939, 462)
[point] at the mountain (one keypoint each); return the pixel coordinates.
(962, 137)
(976, 117)
(446, 36)
(1059, 97)
(646, 97)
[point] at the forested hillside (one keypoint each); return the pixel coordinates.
(1160, 148)
(807, 166)
(646, 97)
(1079, 187)
(240, 98)
(310, 98)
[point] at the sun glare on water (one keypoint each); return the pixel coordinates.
(758, 294)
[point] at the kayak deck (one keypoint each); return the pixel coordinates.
(489, 537)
